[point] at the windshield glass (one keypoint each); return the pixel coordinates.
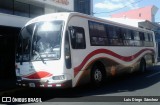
(40, 41)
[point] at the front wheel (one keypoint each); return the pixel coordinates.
(97, 75)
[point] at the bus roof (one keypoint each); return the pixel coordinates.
(66, 15)
(49, 17)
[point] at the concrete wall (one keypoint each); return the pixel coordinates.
(49, 10)
(12, 20)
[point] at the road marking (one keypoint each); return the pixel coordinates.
(153, 74)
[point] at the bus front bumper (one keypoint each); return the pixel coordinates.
(39, 84)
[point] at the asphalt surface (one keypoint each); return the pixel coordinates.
(131, 85)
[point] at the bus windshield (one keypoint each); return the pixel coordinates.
(40, 41)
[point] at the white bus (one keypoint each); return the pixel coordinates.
(70, 49)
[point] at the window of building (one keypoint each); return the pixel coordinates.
(82, 6)
(77, 37)
(36, 11)
(21, 9)
(6, 6)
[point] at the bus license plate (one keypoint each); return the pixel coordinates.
(31, 84)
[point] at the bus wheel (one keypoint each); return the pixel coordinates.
(97, 75)
(142, 67)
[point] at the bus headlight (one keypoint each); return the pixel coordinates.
(60, 77)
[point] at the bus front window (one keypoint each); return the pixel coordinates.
(41, 41)
(47, 40)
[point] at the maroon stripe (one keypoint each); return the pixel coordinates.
(38, 75)
(111, 53)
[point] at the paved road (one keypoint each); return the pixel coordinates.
(147, 84)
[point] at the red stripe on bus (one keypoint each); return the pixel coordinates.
(38, 75)
(111, 53)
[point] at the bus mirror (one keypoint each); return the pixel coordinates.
(67, 51)
(67, 57)
(68, 61)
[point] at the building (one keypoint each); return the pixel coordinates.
(15, 13)
(83, 6)
(18, 12)
(141, 17)
(145, 13)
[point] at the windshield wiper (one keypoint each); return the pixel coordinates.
(40, 57)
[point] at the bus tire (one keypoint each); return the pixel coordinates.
(142, 67)
(98, 74)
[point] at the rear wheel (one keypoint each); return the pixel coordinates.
(97, 75)
(142, 67)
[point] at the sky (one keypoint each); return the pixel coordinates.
(105, 8)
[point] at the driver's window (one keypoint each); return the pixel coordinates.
(77, 37)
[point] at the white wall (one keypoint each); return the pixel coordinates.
(50, 10)
(63, 4)
(13, 20)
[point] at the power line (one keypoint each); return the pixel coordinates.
(119, 8)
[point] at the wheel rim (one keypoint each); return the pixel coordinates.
(98, 75)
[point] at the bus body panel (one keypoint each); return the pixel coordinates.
(41, 75)
(116, 59)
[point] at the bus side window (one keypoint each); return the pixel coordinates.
(77, 37)
(142, 38)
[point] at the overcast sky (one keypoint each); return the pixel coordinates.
(104, 8)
